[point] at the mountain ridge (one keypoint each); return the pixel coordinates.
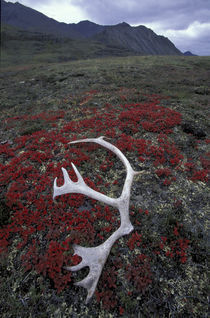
(139, 39)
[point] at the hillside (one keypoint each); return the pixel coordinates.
(24, 47)
(138, 39)
(155, 110)
(87, 28)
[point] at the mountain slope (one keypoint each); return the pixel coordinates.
(188, 53)
(24, 47)
(87, 28)
(138, 39)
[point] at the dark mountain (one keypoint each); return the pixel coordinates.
(87, 28)
(188, 53)
(139, 40)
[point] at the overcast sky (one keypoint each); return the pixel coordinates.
(185, 22)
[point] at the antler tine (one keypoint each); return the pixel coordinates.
(69, 186)
(90, 257)
(80, 186)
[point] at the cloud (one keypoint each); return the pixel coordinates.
(61, 10)
(197, 33)
(32, 2)
(177, 14)
(194, 30)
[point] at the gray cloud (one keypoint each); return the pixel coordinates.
(33, 2)
(176, 14)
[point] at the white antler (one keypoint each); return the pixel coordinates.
(95, 257)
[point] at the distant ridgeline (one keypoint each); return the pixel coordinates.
(188, 53)
(120, 39)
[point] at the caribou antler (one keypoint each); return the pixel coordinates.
(95, 257)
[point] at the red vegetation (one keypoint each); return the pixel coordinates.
(139, 273)
(174, 247)
(42, 231)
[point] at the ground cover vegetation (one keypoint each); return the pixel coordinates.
(155, 110)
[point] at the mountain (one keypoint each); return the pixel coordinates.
(138, 39)
(120, 38)
(188, 53)
(87, 28)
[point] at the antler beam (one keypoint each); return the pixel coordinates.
(95, 257)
